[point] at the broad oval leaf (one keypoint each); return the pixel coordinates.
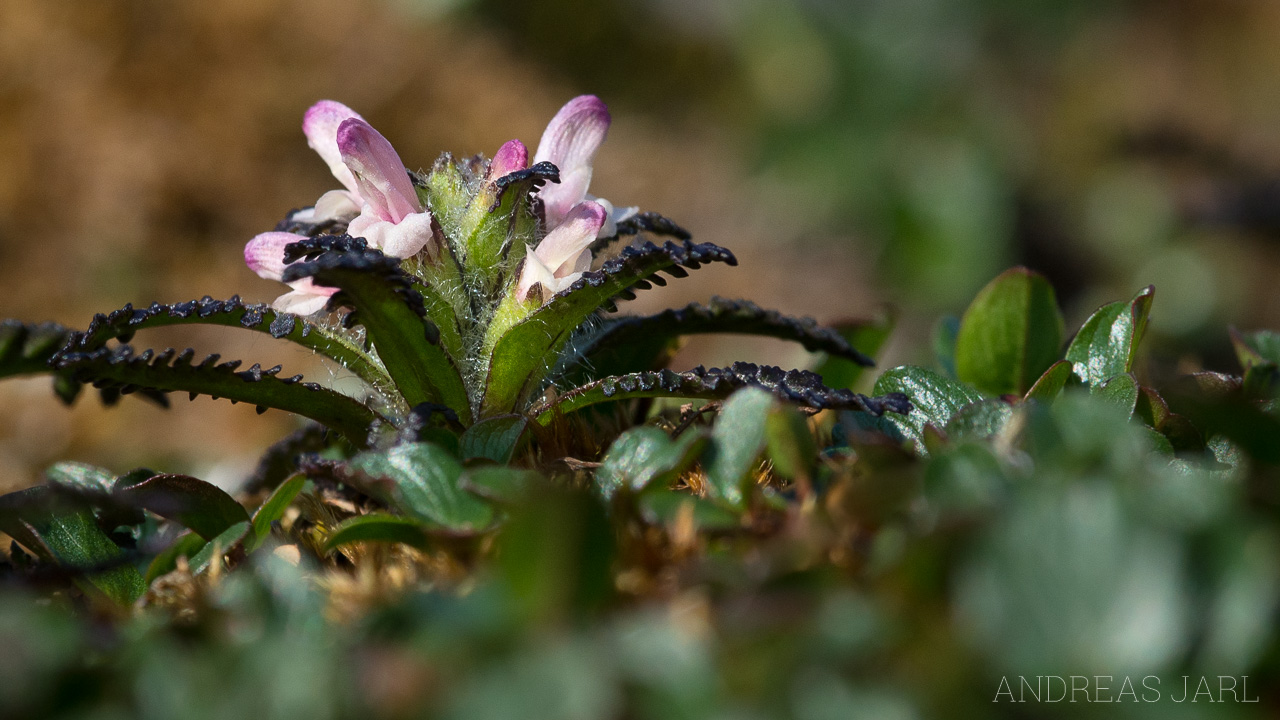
(1051, 383)
(423, 480)
(499, 483)
(1010, 334)
(1122, 390)
(379, 527)
(494, 438)
(1108, 341)
(934, 399)
(644, 456)
(737, 440)
(979, 420)
(196, 504)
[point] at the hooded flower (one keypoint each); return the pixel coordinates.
(379, 198)
(571, 141)
(265, 255)
(564, 254)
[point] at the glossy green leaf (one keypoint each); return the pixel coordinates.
(80, 478)
(422, 479)
(979, 420)
(737, 440)
(644, 456)
(1122, 390)
(664, 507)
(379, 527)
(1051, 383)
(494, 438)
(67, 534)
(272, 510)
(1108, 341)
(934, 399)
(1011, 333)
(500, 483)
(216, 549)
(167, 560)
(196, 504)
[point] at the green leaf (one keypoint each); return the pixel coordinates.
(521, 345)
(1051, 383)
(81, 478)
(1011, 333)
(196, 504)
(945, 334)
(166, 372)
(379, 527)
(500, 484)
(934, 399)
(164, 563)
(660, 506)
(791, 444)
(644, 456)
(394, 315)
(1256, 348)
(272, 510)
(123, 323)
(979, 420)
(494, 438)
(606, 350)
(1121, 390)
(423, 480)
(1108, 341)
(68, 535)
(26, 349)
(799, 387)
(737, 440)
(868, 336)
(217, 548)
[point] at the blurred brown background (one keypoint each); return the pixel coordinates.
(849, 153)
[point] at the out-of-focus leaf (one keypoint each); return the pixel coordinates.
(1050, 385)
(499, 483)
(868, 336)
(945, 333)
(737, 440)
(1108, 341)
(934, 399)
(979, 420)
(1011, 333)
(1256, 348)
(1122, 390)
(493, 438)
(661, 506)
(272, 510)
(422, 479)
(645, 455)
(185, 546)
(68, 535)
(379, 527)
(792, 447)
(194, 503)
(220, 545)
(80, 478)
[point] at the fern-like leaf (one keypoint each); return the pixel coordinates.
(523, 352)
(800, 387)
(123, 323)
(382, 298)
(635, 344)
(120, 371)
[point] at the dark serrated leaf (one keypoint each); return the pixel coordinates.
(799, 387)
(120, 370)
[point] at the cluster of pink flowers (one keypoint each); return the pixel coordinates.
(380, 204)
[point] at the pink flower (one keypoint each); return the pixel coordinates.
(571, 141)
(391, 216)
(379, 199)
(564, 254)
(265, 256)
